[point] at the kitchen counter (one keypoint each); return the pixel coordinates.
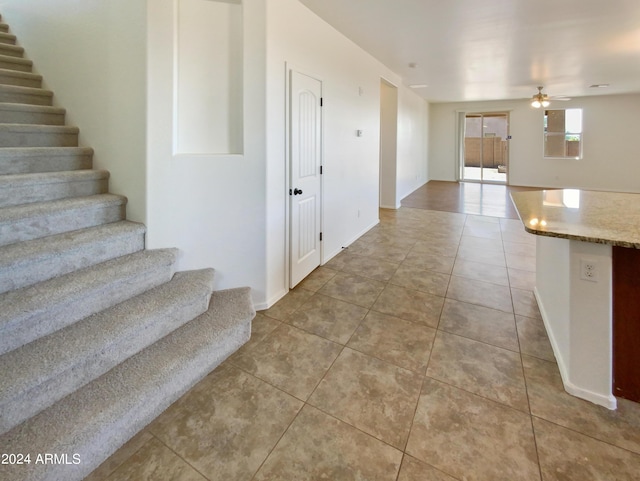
(588, 216)
(577, 234)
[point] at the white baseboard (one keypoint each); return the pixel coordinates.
(608, 401)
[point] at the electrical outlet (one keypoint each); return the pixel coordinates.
(589, 270)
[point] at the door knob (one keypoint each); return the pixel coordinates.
(297, 191)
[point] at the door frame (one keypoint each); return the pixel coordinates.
(460, 131)
(289, 68)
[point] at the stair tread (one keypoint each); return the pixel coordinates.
(17, 73)
(60, 254)
(20, 60)
(38, 209)
(21, 305)
(40, 178)
(31, 108)
(51, 367)
(98, 418)
(39, 151)
(12, 48)
(44, 128)
(20, 89)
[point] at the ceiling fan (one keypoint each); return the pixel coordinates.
(542, 100)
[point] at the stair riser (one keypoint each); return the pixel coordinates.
(17, 195)
(67, 221)
(42, 268)
(16, 81)
(37, 139)
(11, 50)
(33, 118)
(26, 98)
(7, 38)
(37, 162)
(155, 326)
(58, 316)
(8, 64)
(4, 27)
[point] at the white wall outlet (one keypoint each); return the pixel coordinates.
(589, 270)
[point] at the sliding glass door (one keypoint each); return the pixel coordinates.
(485, 147)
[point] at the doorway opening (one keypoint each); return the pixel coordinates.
(388, 145)
(484, 152)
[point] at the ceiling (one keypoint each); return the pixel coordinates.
(469, 50)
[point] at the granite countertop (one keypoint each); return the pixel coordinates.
(589, 216)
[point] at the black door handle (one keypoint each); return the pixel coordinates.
(297, 191)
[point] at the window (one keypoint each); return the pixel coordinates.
(563, 133)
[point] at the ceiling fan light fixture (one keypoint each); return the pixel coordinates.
(540, 99)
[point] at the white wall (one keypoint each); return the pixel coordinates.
(209, 206)
(351, 89)
(92, 55)
(609, 154)
(388, 145)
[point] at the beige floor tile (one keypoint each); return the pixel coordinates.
(226, 426)
(489, 371)
(289, 303)
(481, 220)
(430, 262)
(327, 317)
(525, 304)
(409, 304)
(481, 243)
(533, 338)
(484, 229)
(569, 456)
(318, 278)
(381, 250)
(403, 343)
(519, 237)
(472, 438)
(493, 257)
(519, 248)
(437, 246)
(550, 401)
(318, 447)
(155, 461)
(119, 457)
(290, 359)
(355, 289)
(525, 280)
(372, 395)
(480, 323)
(519, 261)
(414, 470)
(261, 327)
(413, 277)
(480, 293)
(370, 267)
(511, 224)
(481, 272)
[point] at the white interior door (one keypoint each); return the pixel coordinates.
(305, 120)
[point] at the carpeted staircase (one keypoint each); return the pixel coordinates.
(97, 335)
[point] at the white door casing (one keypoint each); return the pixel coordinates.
(305, 159)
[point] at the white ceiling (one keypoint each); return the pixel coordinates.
(497, 49)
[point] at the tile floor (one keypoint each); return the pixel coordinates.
(417, 354)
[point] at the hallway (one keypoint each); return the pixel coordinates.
(416, 354)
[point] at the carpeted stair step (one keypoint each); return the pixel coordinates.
(26, 263)
(19, 189)
(32, 312)
(15, 63)
(7, 38)
(4, 27)
(21, 160)
(41, 373)
(41, 219)
(31, 114)
(20, 135)
(11, 50)
(98, 418)
(21, 79)
(25, 95)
